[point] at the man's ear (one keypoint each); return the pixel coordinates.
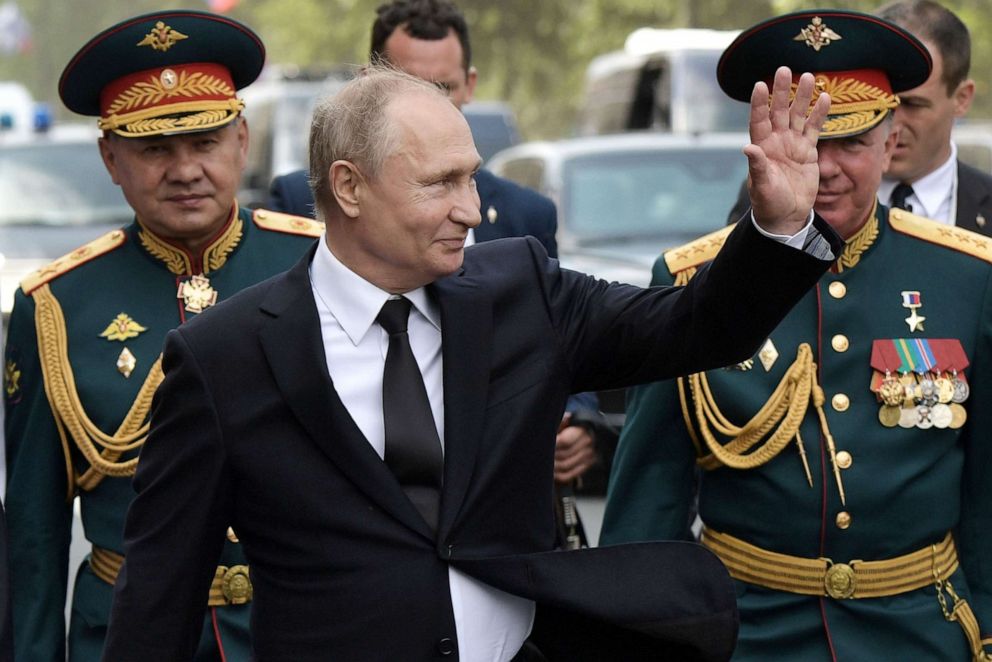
(109, 157)
(471, 78)
(963, 96)
(346, 180)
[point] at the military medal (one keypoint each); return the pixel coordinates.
(196, 293)
(889, 415)
(924, 417)
(941, 416)
(958, 415)
(911, 300)
(945, 390)
(908, 417)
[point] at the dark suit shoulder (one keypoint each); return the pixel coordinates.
(290, 193)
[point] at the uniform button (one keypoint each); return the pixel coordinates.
(843, 519)
(844, 460)
(837, 289)
(446, 646)
(840, 343)
(840, 402)
(261, 214)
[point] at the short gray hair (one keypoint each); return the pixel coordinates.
(353, 126)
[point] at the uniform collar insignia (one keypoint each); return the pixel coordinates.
(182, 263)
(862, 240)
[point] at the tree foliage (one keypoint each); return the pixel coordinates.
(532, 53)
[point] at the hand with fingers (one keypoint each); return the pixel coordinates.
(782, 169)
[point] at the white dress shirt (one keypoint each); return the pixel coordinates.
(491, 625)
(935, 195)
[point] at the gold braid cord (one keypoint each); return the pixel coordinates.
(98, 448)
(768, 432)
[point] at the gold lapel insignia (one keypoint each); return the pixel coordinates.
(122, 328)
(743, 366)
(768, 355)
(197, 294)
(126, 362)
(912, 301)
(817, 34)
(162, 37)
(491, 214)
(11, 379)
(980, 221)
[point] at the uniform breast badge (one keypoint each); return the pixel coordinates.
(11, 380)
(196, 293)
(915, 321)
(768, 354)
(920, 382)
(123, 328)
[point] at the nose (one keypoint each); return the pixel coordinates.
(465, 206)
(184, 166)
(826, 159)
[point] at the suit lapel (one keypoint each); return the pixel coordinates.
(294, 348)
(466, 331)
(972, 198)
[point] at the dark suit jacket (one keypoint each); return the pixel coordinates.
(517, 211)
(974, 199)
(247, 430)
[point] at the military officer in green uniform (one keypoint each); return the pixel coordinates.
(844, 468)
(82, 357)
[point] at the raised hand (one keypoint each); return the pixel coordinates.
(782, 170)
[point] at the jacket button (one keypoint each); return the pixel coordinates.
(446, 646)
(840, 402)
(840, 343)
(843, 520)
(837, 289)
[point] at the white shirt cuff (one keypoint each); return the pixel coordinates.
(796, 241)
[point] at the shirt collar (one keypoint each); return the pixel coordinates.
(355, 302)
(931, 189)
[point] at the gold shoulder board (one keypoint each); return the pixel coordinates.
(287, 223)
(697, 252)
(67, 263)
(958, 239)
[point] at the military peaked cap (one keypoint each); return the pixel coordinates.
(163, 73)
(862, 61)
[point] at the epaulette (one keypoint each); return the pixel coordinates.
(99, 246)
(958, 239)
(287, 223)
(696, 252)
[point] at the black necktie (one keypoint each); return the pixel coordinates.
(900, 194)
(413, 449)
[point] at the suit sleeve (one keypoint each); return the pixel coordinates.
(974, 534)
(652, 480)
(615, 335)
(39, 510)
(176, 525)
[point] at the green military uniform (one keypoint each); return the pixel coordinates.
(82, 358)
(841, 473)
(81, 364)
(905, 488)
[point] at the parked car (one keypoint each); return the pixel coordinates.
(623, 199)
(56, 197)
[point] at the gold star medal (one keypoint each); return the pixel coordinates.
(911, 300)
(196, 293)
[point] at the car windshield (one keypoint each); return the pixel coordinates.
(58, 183)
(636, 194)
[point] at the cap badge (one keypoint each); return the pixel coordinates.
(169, 79)
(122, 328)
(162, 37)
(817, 34)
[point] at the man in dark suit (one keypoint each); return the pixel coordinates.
(925, 176)
(430, 39)
(389, 470)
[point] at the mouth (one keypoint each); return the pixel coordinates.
(187, 199)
